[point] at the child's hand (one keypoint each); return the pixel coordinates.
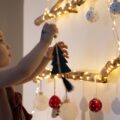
(63, 47)
(49, 31)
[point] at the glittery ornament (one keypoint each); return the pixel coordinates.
(41, 102)
(115, 7)
(92, 15)
(95, 105)
(54, 101)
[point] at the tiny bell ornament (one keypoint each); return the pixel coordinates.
(115, 7)
(41, 101)
(92, 15)
(95, 105)
(68, 111)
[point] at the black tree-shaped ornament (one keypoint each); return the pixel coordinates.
(60, 66)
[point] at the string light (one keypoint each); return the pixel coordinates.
(82, 75)
(32, 112)
(58, 10)
(114, 28)
(85, 75)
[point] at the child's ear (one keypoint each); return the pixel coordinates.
(1, 34)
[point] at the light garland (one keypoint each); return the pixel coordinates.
(84, 75)
(81, 75)
(57, 10)
(114, 28)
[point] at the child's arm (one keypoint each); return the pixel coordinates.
(30, 62)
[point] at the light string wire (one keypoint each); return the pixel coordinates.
(54, 86)
(40, 86)
(114, 28)
(116, 37)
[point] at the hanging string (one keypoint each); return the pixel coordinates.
(117, 89)
(54, 86)
(66, 94)
(95, 88)
(83, 88)
(40, 86)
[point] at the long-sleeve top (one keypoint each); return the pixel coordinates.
(20, 74)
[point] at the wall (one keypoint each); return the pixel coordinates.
(91, 45)
(11, 23)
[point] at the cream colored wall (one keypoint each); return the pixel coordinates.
(91, 45)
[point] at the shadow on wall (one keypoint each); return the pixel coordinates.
(116, 106)
(96, 115)
(83, 107)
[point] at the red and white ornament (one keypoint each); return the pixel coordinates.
(54, 101)
(95, 105)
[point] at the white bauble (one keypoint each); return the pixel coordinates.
(92, 15)
(68, 111)
(41, 102)
(115, 7)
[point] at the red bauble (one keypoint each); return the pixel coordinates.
(95, 105)
(54, 101)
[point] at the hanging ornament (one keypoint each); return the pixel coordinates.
(95, 105)
(68, 111)
(60, 66)
(115, 7)
(41, 102)
(92, 15)
(54, 102)
(116, 106)
(116, 101)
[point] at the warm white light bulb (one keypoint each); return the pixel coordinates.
(32, 112)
